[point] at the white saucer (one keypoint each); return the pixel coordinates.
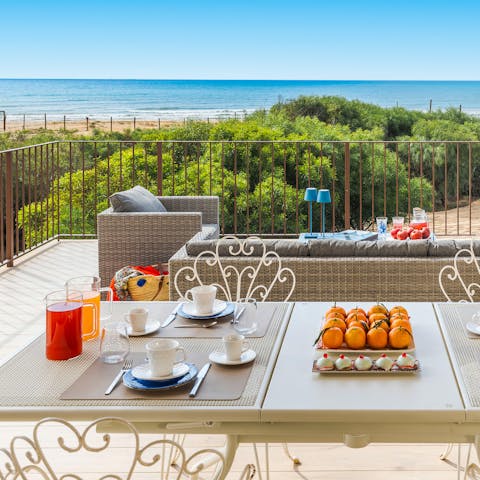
(473, 327)
(143, 372)
(221, 358)
(218, 307)
(150, 327)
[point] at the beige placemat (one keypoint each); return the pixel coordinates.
(221, 383)
(265, 313)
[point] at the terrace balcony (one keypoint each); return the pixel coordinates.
(52, 192)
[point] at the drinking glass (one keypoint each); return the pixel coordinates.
(382, 227)
(90, 288)
(245, 316)
(63, 324)
(397, 222)
(114, 342)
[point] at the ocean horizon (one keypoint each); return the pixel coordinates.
(202, 99)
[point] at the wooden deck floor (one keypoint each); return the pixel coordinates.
(21, 291)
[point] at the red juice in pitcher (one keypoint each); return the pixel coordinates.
(64, 330)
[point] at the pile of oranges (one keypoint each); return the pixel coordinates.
(376, 328)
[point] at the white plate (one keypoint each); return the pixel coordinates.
(221, 358)
(218, 306)
(143, 372)
(473, 327)
(150, 327)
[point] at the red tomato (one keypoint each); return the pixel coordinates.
(416, 235)
(402, 235)
(394, 232)
(409, 231)
(425, 232)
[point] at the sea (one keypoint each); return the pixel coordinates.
(205, 99)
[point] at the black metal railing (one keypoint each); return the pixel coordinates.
(55, 190)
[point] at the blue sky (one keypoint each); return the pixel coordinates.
(248, 39)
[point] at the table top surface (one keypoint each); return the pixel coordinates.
(282, 387)
(297, 394)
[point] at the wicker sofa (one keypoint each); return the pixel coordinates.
(139, 238)
(340, 270)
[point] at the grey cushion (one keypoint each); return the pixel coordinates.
(137, 199)
(332, 248)
(284, 248)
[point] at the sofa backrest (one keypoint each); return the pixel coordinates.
(338, 248)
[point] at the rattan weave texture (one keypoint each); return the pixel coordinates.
(140, 238)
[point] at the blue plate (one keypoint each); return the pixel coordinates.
(153, 386)
(229, 309)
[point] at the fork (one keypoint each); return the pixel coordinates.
(127, 365)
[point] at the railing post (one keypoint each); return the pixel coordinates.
(159, 169)
(347, 186)
(4, 120)
(9, 207)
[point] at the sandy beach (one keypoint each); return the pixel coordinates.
(87, 126)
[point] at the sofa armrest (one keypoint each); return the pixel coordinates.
(207, 205)
(141, 238)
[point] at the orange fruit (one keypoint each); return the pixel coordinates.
(335, 322)
(399, 337)
(401, 322)
(377, 338)
(382, 323)
(332, 337)
(330, 315)
(378, 308)
(374, 317)
(358, 323)
(355, 338)
(399, 315)
(336, 309)
(356, 316)
(357, 310)
(398, 309)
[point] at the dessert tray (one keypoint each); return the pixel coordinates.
(395, 370)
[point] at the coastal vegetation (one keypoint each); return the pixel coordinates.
(300, 143)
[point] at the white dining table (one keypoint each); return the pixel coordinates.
(287, 401)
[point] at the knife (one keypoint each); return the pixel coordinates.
(200, 377)
(171, 317)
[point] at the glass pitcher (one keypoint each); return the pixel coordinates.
(63, 324)
(90, 288)
(420, 219)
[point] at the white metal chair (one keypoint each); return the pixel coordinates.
(236, 283)
(464, 259)
(34, 457)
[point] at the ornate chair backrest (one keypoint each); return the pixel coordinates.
(464, 259)
(233, 281)
(165, 458)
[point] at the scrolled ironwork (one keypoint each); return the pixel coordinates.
(452, 273)
(232, 278)
(26, 457)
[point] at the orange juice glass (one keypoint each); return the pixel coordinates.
(90, 288)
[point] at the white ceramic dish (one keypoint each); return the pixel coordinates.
(218, 307)
(150, 327)
(221, 358)
(473, 327)
(143, 372)
(373, 371)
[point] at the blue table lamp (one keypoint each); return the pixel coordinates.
(323, 198)
(310, 197)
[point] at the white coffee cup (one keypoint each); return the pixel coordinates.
(137, 318)
(234, 344)
(162, 356)
(202, 297)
